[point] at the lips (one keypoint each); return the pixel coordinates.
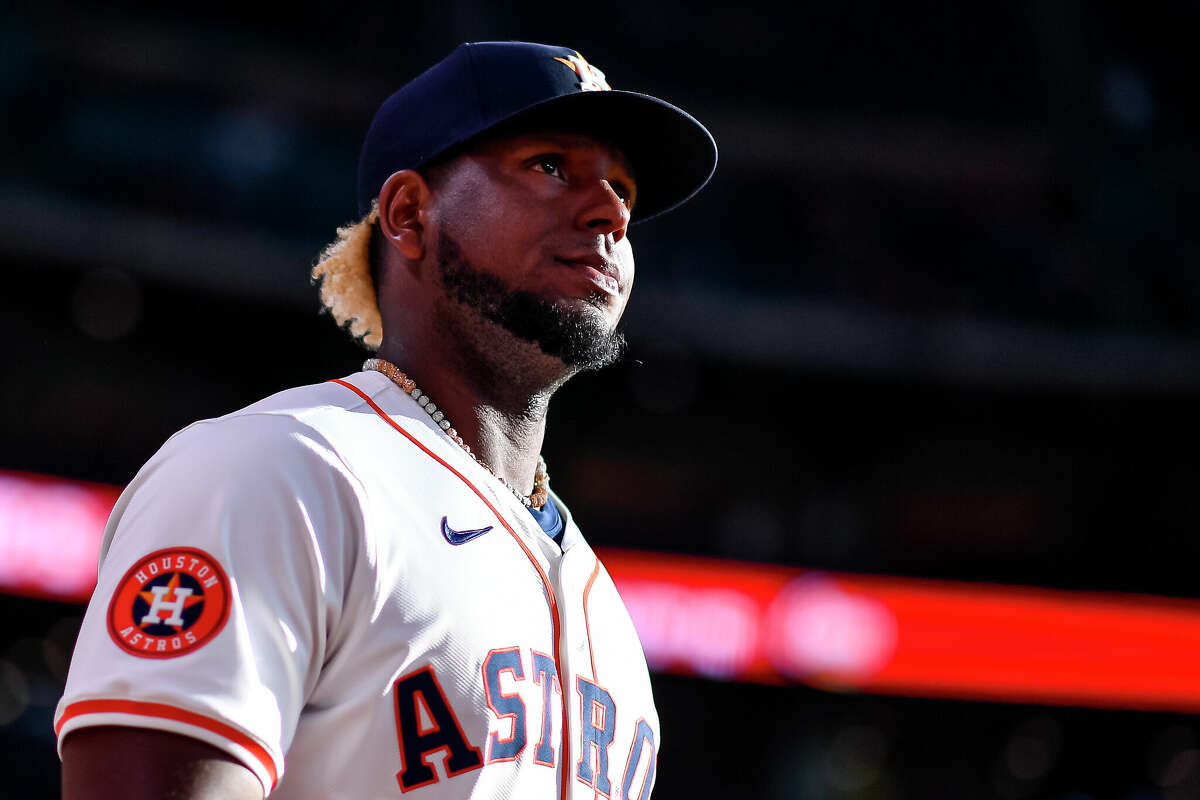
(596, 268)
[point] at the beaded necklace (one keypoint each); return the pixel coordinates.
(541, 479)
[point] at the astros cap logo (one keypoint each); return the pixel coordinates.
(590, 78)
(171, 602)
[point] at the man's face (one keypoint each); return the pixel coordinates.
(530, 231)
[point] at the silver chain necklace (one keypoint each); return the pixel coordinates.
(541, 479)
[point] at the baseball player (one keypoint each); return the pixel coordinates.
(366, 588)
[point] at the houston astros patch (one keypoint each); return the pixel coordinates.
(171, 602)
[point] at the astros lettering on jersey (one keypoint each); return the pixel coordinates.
(327, 589)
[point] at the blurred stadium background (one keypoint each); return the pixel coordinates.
(920, 367)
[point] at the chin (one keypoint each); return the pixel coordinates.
(577, 332)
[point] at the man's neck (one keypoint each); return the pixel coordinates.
(498, 409)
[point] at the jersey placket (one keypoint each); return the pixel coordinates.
(546, 559)
(519, 524)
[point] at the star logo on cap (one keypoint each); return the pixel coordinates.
(590, 78)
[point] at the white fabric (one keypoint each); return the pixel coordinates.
(328, 523)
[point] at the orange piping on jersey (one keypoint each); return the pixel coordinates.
(586, 622)
(564, 749)
(587, 626)
(164, 711)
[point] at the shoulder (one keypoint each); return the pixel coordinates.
(335, 438)
(314, 400)
(287, 444)
(293, 422)
(278, 464)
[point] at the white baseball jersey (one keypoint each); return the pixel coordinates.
(327, 588)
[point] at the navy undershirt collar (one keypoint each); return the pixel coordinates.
(550, 520)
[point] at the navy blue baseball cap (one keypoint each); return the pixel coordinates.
(483, 84)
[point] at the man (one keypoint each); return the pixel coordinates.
(365, 588)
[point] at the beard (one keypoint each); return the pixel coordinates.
(578, 339)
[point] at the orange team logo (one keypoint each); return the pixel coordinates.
(169, 603)
(590, 78)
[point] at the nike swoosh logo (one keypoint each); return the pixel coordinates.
(461, 537)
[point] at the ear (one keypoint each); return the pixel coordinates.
(402, 203)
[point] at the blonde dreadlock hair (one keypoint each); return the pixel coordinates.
(343, 271)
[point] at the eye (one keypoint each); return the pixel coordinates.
(549, 163)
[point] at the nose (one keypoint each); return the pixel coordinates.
(604, 212)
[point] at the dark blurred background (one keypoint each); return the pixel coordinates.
(937, 315)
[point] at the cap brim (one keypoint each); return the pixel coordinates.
(672, 154)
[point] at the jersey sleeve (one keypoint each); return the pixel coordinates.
(221, 581)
